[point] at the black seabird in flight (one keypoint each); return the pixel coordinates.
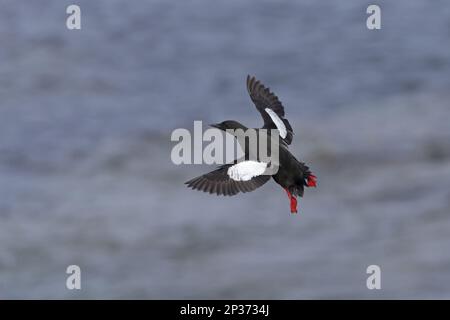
(248, 175)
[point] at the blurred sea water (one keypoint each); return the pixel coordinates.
(85, 170)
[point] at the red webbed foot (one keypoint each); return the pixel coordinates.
(311, 181)
(293, 201)
(293, 205)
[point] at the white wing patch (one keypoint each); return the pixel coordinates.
(245, 170)
(278, 122)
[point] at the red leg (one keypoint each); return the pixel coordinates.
(293, 201)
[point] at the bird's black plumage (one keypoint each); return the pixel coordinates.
(219, 182)
(263, 98)
(292, 174)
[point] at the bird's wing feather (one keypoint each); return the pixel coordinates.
(271, 109)
(230, 179)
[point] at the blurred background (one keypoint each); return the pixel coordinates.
(85, 171)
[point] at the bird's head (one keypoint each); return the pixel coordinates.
(228, 124)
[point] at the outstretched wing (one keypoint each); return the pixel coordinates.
(230, 179)
(270, 108)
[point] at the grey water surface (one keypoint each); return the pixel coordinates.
(86, 176)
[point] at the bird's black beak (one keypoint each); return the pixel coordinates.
(216, 125)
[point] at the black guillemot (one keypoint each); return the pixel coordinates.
(248, 175)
